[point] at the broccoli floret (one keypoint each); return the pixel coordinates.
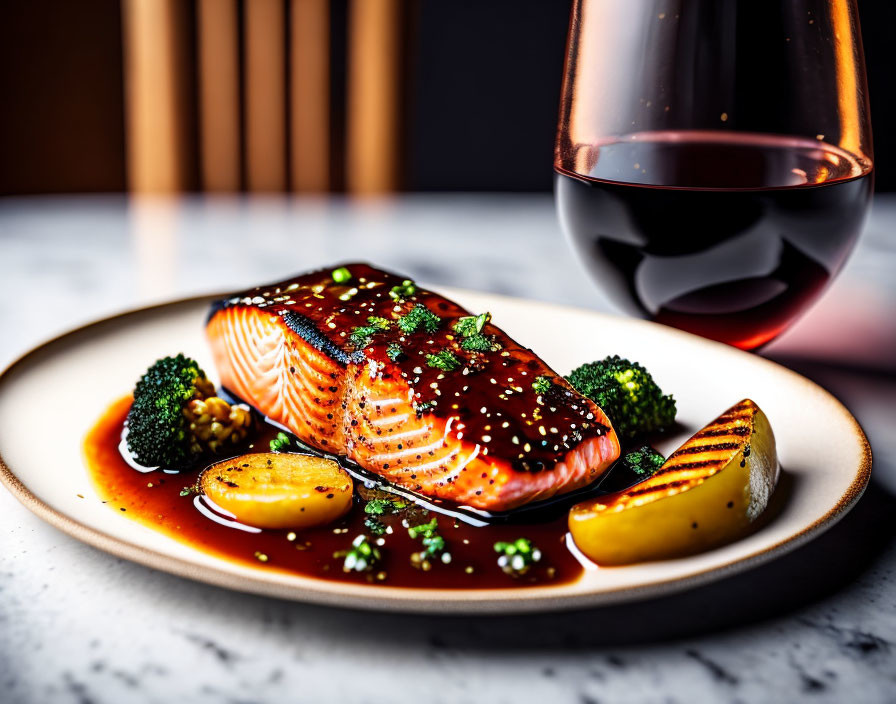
(158, 430)
(176, 417)
(627, 393)
(644, 461)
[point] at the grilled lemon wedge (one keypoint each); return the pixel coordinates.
(279, 490)
(707, 493)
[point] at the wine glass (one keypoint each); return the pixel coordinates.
(713, 159)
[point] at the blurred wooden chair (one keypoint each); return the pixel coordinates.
(258, 113)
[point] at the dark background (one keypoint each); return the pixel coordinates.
(482, 93)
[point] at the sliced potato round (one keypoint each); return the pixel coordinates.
(279, 490)
(707, 493)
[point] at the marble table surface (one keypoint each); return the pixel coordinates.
(77, 625)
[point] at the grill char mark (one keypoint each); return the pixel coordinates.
(717, 447)
(714, 432)
(691, 465)
(658, 488)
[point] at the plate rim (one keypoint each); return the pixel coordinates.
(409, 599)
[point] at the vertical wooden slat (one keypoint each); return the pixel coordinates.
(265, 89)
(219, 79)
(154, 33)
(309, 55)
(374, 71)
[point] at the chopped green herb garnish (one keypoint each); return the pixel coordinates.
(416, 531)
(471, 324)
(425, 406)
(433, 543)
(374, 525)
(479, 343)
(542, 384)
(361, 335)
(379, 507)
(470, 329)
(394, 351)
(362, 556)
(281, 442)
(379, 323)
(404, 290)
(189, 490)
(644, 461)
(445, 360)
(341, 275)
(517, 557)
(419, 318)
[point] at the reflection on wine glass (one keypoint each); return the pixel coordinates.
(713, 159)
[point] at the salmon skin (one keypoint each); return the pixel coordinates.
(465, 415)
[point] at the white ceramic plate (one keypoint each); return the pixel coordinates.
(823, 451)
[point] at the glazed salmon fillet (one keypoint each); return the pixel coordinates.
(411, 387)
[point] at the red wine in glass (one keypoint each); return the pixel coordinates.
(713, 159)
(760, 229)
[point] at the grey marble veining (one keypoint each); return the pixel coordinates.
(77, 625)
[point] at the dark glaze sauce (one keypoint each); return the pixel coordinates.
(154, 499)
(490, 397)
